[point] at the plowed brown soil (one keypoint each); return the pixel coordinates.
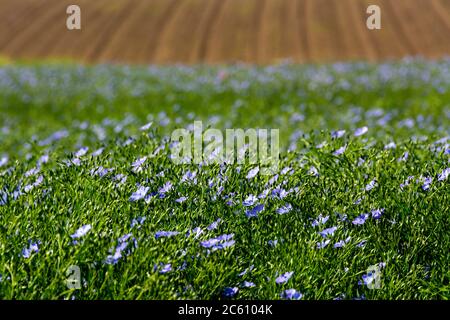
(221, 31)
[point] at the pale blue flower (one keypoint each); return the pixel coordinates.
(285, 209)
(33, 247)
(362, 244)
(97, 152)
(361, 219)
(252, 173)
(377, 213)
(166, 188)
(213, 225)
(249, 269)
(427, 183)
(82, 231)
(328, 232)
(340, 151)
(249, 201)
(320, 220)
(181, 200)
(284, 277)
(390, 145)
(138, 221)
(3, 161)
(444, 174)
(119, 250)
(337, 134)
(372, 184)
(272, 243)
(404, 157)
(279, 193)
(196, 232)
(139, 194)
(165, 234)
(220, 242)
(291, 294)
(137, 165)
(166, 268)
(361, 131)
(230, 292)
(81, 152)
(251, 213)
(341, 243)
(323, 244)
(146, 127)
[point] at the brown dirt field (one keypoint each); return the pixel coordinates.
(222, 31)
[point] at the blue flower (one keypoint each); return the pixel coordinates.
(427, 183)
(360, 131)
(122, 244)
(189, 176)
(124, 238)
(337, 134)
(251, 200)
(81, 152)
(328, 232)
(279, 193)
(213, 225)
(230, 292)
(181, 200)
(272, 243)
(404, 157)
(444, 175)
(221, 242)
(97, 152)
(3, 161)
(223, 245)
(101, 172)
(248, 284)
(323, 244)
(362, 244)
(254, 212)
(284, 277)
(32, 172)
(390, 145)
(138, 221)
(372, 184)
(33, 247)
(264, 194)
(146, 127)
(249, 269)
(165, 188)
(285, 209)
(291, 294)
(3, 198)
(81, 231)
(361, 219)
(166, 268)
(340, 151)
(252, 173)
(313, 171)
(320, 220)
(377, 213)
(137, 165)
(341, 243)
(368, 278)
(196, 232)
(165, 234)
(139, 194)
